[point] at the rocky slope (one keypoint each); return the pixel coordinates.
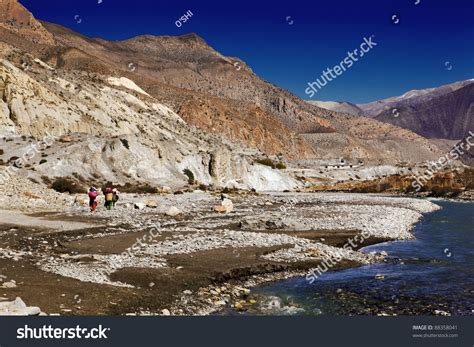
(221, 94)
(445, 116)
(410, 98)
(338, 106)
(16, 20)
(136, 110)
(114, 130)
(445, 112)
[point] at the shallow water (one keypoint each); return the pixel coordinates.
(433, 273)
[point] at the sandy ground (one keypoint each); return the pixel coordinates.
(24, 220)
(142, 261)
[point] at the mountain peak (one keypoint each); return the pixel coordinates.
(14, 17)
(191, 40)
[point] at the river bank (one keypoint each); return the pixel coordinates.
(197, 261)
(430, 275)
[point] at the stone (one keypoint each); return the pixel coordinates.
(219, 303)
(379, 276)
(165, 312)
(66, 138)
(173, 211)
(187, 292)
(219, 209)
(139, 205)
(226, 206)
(151, 204)
(18, 308)
(9, 284)
(166, 189)
(80, 200)
(242, 289)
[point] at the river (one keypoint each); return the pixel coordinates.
(433, 274)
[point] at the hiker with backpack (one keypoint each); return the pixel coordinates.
(109, 198)
(115, 196)
(92, 198)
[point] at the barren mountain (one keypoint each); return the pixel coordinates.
(222, 94)
(338, 106)
(110, 128)
(206, 89)
(410, 98)
(446, 112)
(443, 115)
(16, 20)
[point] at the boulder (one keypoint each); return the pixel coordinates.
(151, 204)
(80, 200)
(18, 308)
(10, 284)
(226, 206)
(166, 189)
(173, 211)
(66, 138)
(139, 205)
(219, 208)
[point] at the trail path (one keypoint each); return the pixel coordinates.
(21, 219)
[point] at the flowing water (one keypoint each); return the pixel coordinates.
(433, 274)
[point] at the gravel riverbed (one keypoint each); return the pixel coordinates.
(173, 262)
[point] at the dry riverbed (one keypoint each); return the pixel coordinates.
(153, 261)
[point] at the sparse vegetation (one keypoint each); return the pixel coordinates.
(227, 190)
(203, 187)
(190, 175)
(67, 185)
(280, 166)
(46, 180)
(271, 163)
(135, 188)
(443, 184)
(266, 162)
(42, 161)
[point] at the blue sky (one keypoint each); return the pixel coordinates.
(432, 44)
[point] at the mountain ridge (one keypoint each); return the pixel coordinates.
(220, 94)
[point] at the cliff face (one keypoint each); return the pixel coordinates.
(110, 128)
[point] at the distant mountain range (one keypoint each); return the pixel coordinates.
(445, 112)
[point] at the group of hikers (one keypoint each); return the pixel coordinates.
(111, 198)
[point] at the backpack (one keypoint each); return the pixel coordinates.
(109, 197)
